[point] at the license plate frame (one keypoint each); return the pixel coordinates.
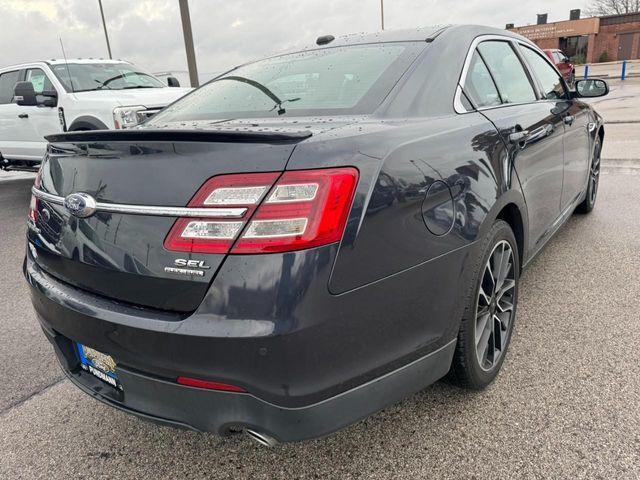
(98, 364)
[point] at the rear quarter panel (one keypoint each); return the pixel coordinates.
(399, 161)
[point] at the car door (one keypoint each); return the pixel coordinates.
(39, 120)
(531, 130)
(11, 130)
(575, 117)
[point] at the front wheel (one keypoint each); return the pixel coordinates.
(488, 320)
(594, 179)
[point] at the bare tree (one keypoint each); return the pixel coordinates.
(613, 7)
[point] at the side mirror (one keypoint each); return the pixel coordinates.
(592, 87)
(24, 94)
(173, 82)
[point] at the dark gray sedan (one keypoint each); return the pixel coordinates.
(311, 237)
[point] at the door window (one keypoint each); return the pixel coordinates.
(507, 72)
(8, 81)
(479, 85)
(551, 83)
(39, 80)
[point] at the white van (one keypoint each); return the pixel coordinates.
(42, 98)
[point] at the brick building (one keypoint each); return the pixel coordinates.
(590, 40)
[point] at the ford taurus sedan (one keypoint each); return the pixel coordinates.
(308, 238)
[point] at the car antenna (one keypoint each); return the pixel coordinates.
(64, 55)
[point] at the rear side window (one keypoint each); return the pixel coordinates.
(8, 80)
(550, 81)
(507, 71)
(479, 84)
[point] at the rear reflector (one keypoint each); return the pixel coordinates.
(304, 209)
(195, 382)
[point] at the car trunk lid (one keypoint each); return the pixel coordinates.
(121, 255)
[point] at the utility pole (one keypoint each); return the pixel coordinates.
(382, 13)
(104, 25)
(188, 42)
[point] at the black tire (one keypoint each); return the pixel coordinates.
(594, 179)
(467, 369)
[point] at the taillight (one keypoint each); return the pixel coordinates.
(304, 209)
(33, 209)
(216, 235)
(33, 205)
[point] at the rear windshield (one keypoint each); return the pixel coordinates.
(340, 80)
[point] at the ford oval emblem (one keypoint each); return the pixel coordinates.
(80, 204)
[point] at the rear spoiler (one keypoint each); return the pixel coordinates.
(162, 135)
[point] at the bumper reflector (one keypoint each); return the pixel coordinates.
(223, 387)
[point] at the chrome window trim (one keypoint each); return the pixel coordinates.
(457, 102)
(188, 212)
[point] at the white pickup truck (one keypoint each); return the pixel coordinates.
(42, 98)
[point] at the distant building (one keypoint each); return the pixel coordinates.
(590, 40)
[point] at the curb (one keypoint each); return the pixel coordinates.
(620, 166)
(12, 176)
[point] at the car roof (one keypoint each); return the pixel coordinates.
(419, 34)
(426, 33)
(62, 61)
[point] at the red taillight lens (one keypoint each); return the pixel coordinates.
(33, 205)
(33, 209)
(195, 382)
(305, 208)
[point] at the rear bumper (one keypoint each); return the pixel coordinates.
(313, 362)
(169, 403)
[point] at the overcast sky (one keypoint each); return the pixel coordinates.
(228, 32)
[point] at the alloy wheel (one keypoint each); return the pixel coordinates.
(495, 306)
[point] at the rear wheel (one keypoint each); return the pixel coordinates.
(594, 179)
(488, 320)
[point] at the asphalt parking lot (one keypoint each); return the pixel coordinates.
(566, 404)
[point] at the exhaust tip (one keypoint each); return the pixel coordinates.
(262, 438)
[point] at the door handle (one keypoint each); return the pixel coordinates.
(519, 136)
(23, 115)
(568, 120)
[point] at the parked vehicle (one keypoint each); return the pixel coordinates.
(43, 98)
(563, 64)
(311, 237)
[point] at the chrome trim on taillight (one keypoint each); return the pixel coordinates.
(189, 212)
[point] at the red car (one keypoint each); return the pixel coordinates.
(562, 63)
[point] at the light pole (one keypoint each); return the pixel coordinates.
(104, 25)
(188, 42)
(382, 13)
